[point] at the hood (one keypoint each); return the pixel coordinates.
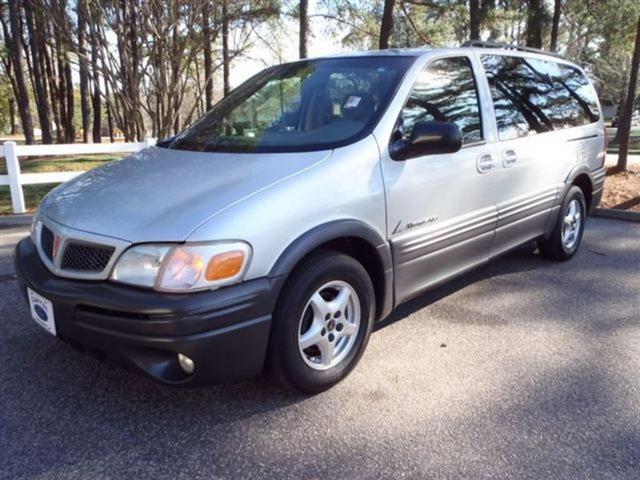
(160, 194)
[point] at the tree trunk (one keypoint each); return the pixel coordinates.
(60, 88)
(208, 67)
(15, 47)
(486, 8)
(624, 127)
(65, 80)
(134, 84)
(123, 118)
(303, 17)
(555, 25)
(95, 97)
(13, 128)
(53, 92)
(622, 101)
(535, 19)
(38, 79)
(109, 117)
(70, 128)
(83, 70)
(386, 27)
(474, 16)
(225, 47)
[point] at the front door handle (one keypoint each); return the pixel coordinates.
(485, 163)
(509, 157)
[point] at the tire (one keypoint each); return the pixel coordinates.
(320, 303)
(566, 237)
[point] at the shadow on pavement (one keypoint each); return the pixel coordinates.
(562, 410)
(521, 260)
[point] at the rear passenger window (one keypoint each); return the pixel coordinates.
(519, 96)
(534, 96)
(585, 105)
(445, 92)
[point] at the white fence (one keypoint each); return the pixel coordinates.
(15, 179)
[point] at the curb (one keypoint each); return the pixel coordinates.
(13, 221)
(616, 214)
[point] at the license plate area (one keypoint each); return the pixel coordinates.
(42, 311)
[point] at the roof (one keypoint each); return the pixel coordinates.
(473, 46)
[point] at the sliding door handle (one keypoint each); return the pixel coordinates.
(485, 163)
(509, 157)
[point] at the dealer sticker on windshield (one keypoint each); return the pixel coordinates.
(352, 102)
(42, 311)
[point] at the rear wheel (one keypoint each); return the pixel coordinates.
(566, 236)
(322, 322)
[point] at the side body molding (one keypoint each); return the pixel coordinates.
(335, 230)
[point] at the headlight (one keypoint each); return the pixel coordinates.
(140, 265)
(183, 268)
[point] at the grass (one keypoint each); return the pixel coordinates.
(33, 194)
(61, 164)
(634, 141)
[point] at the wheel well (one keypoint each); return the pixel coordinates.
(584, 183)
(367, 255)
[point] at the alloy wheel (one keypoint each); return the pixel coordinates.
(571, 224)
(329, 325)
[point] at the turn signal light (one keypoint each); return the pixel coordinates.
(224, 265)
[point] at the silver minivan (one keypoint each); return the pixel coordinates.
(276, 230)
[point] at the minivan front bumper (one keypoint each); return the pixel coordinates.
(225, 332)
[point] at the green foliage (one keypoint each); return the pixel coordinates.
(5, 95)
(598, 34)
(595, 33)
(33, 195)
(358, 21)
(69, 163)
(601, 35)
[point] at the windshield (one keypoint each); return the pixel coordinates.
(302, 106)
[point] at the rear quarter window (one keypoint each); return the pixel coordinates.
(532, 96)
(584, 107)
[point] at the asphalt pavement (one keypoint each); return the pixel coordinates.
(522, 369)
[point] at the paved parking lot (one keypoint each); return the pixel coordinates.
(523, 369)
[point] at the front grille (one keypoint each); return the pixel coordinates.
(81, 257)
(46, 242)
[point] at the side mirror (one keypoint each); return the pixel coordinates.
(427, 138)
(165, 142)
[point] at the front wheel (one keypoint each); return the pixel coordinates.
(566, 236)
(322, 322)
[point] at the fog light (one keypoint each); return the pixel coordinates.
(186, 364)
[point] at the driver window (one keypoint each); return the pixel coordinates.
(445, 92)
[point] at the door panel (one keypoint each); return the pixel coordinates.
(528, 190)
(527, 107)
(441, 211)
(427, 255)
(441, 216)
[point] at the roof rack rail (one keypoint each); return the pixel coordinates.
(508, 46)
